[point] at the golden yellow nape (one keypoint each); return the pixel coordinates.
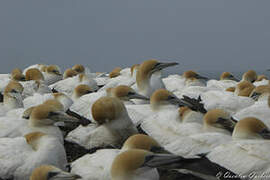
(69, 73)
(244, 88)
(78, 68)
(115, 72)
(140, 141)
(33, 74)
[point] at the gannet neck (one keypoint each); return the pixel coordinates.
(34, 74)
(13, 95)
(250, 128)
(183, 112)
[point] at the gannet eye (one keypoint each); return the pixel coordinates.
(130, 93)
(157, 64)
(53, 113)
(14, 91)
(52, 174)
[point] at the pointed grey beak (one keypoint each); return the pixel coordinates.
(133, 95)
(62, 116)
(265, 133)
(255, 96)
(233, 78)
(201, 77)
(161, 160)
(159, 66)
(160, 150)
(228, 124)
(61, 175)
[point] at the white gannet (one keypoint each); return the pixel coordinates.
(97, 165)
(80, 91)
(83, 105)
(189, 78)
(42, 118)
(113, 125)
(145, 85)
(216, 130)
(260, 109)
(226, 80)
(52, 74)
(49, 172)
(244, 88)
(12, 97)
(41, 67)
(248, 152)
(68, 85)
(20, 155)
(38, 99)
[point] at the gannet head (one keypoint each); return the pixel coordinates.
(48, 172)
(140, 141)
(33, 74)
(250, 76)
(13, 95)
(78, 68)
(191, 75)
(115, 72)
(42, 67)
(69, 73)
(251, 128)
(46, 115)
(133, 70)
(260, 92)
(55, 104)
(140, 164)
(54, 70)
(63, 99)
(125, 93)
(81, 90)
(244, 88)
(261, 77)
(230, 89)
(145, 71)
(218, 120)
(27, 112)
(163, 97)
(227, 76)
(17, 75)
(107, 109)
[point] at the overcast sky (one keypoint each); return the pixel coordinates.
(226, 35)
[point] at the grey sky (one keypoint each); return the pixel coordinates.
(201, 34)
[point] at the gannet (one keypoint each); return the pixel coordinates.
(81, 90)
(37, 99)
(83, 105)
(144, 74)
(244, 88)
(49, 172)
(115, 72)
(42, 118)
(113, 125)
(20, 155)
(68, 85)
(52, 74)
(248, 152)
(34, 83)
(260, 93)
(69, 73)
(12, 97)
(250, 76)
(97, 165)
(216, 130)
(189, 78)
(260, 109)
(226, 80)
(17, 75)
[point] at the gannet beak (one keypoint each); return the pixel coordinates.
(62, 116)
(159, 150)
(265, 133)
(234, 78)
(201, 77)
(159, 66)
(161, 160)
(63, 175)
(133, 95)
(255, 96)
(228, 124)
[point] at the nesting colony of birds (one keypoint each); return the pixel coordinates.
(133, 124)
